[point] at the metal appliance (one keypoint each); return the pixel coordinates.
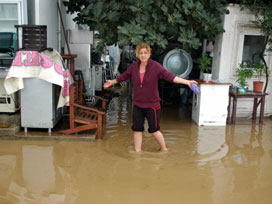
(39, 100)
(83, 51)
(13, 12)
(210, 105)
(8, 103)
(98, 70)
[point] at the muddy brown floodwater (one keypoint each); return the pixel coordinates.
(207, 165)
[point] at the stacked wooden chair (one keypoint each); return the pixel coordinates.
(84, 117)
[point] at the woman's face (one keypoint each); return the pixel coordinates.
(143, 55)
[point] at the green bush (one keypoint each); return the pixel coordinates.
(156, 22)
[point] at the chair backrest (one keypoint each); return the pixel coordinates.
(7, 42)
(77, 92)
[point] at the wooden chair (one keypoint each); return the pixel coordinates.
(99, 104)
(82, 117)
(92, 101)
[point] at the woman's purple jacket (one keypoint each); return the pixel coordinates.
(146, 94)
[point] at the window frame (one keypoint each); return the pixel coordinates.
(243, 29)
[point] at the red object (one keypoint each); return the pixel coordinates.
(146, 94)
(258, 86)
(142, 76)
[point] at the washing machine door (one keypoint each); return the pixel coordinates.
(196, 108)
(178, 62)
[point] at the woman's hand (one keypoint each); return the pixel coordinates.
(179, 80)
(108, 84)
(190, 82)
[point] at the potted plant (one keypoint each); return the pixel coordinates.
(244, 73)
(203, 64)
(259, 69)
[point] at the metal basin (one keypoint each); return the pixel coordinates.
(178, 62)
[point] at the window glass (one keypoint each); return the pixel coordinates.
(8, 17)
(252, 48)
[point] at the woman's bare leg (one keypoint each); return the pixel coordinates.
(138, 141)
(160, 139)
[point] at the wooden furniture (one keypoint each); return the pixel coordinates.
(248, 94)
(82, 117)
(88, 99)
(99, 104)
(70, 62)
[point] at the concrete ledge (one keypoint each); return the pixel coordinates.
(12, 118)
(10, 128)
(14, 133)
(54, 137)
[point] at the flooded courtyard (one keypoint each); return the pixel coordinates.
(208, 165)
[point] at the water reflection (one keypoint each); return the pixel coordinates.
(38, 168)
(225, 164)
(184, 138)
(117, 115)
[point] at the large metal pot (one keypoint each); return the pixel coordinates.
(178, 62)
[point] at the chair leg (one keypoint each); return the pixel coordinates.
(79, 129)
(99, 127)
(104, 119)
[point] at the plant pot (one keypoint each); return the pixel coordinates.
(241, 90)
(207, 77)
(258, 86)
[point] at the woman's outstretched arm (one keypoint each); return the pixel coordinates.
(179, 80)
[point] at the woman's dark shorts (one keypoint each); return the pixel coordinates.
(151, 114)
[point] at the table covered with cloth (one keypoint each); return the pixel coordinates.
(46, 65)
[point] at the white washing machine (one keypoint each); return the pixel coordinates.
(210, 106)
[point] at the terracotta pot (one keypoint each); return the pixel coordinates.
(258, 86)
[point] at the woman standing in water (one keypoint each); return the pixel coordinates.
(145, 74)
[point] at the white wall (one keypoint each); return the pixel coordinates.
(227, 53)
(46, 13)
(31, 12)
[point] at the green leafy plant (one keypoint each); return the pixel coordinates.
(203, 63)
(243, 73)
(259, 69)
(158, 23)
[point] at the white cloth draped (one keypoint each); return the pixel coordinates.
(46, 65)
